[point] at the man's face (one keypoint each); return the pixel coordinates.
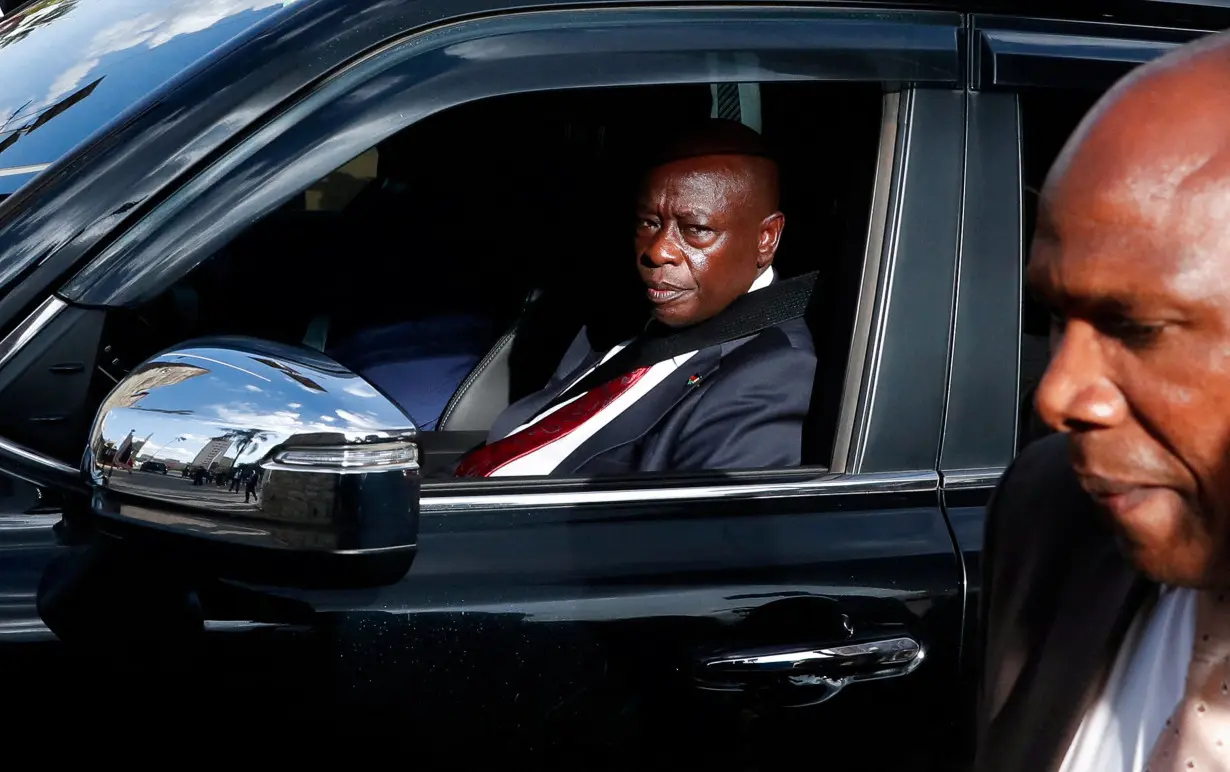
(706, 228)
(1132, 252)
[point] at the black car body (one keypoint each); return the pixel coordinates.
(550, 622)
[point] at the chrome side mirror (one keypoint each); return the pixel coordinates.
(259, 461)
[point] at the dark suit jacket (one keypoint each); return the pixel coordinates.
(745, 412)
(1057, 600)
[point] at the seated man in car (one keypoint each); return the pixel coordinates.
(708, 227)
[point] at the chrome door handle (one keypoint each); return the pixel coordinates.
(829, 667)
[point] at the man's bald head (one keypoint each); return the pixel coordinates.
(738, 143)
(1132, 251)
(707, 221)
(1159, 134)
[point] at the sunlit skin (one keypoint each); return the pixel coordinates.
(707, 227)
(1132, 252)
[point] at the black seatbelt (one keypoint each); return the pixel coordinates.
(777, 303)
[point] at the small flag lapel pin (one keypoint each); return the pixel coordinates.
(695, 379)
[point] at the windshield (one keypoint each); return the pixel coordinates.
(72, 65)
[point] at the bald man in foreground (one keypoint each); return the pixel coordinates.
(1106, 621)
(707, 230)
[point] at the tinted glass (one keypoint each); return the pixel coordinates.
(72, 65)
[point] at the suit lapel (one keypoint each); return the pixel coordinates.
(519, 413)
(647, 411)
(1068, 671)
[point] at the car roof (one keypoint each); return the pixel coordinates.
(74, 65)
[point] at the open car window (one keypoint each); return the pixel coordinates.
(509, 219)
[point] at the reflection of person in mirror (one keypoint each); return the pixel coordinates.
(249, 488)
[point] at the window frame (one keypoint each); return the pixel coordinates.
(980, 422)
(786, 46)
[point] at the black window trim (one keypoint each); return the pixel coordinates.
(980, 421)
(901, 420)
(1013, 52)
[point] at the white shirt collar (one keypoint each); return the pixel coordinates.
(763, 280)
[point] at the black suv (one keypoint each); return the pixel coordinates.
(201, 195)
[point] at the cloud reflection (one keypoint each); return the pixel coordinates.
(54, 52)
(149, 30)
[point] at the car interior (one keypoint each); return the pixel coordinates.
(518, 208)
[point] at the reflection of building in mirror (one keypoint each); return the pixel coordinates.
(143, 380)
(212, 451)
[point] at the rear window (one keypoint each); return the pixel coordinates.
(70, 66)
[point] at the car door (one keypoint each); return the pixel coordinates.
(616, 602)
(27, 543)
(643, 623)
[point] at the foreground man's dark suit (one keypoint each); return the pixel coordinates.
(746, 410)
(1058, 598)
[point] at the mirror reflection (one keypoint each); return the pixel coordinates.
(282, 442)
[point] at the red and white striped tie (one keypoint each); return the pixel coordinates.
(484, 461)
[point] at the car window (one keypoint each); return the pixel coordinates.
(411, 262)
(1048, 118)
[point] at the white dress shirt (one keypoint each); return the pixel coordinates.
(544, 460)
(1145, 686)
